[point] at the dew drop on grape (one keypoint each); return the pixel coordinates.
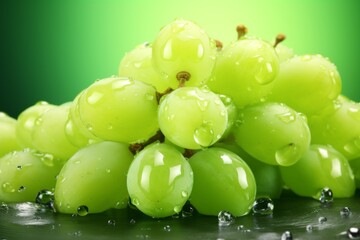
(225, 218)
(284, 155)
(263, 206)
(82, 210)
(204, 135)
(326, 195)
(287, 235)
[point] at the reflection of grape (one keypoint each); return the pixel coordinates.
(94, 177)
(182, 46)
(159, 180)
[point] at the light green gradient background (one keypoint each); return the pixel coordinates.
(54, 49)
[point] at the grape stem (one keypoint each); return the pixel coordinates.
(219, 45)
(279, 38)
(160, 95)
(188, 153)
(182, 77)
(137, 147)
(241, 30)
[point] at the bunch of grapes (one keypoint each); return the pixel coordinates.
(188, 121)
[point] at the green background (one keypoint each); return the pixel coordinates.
(51, 50)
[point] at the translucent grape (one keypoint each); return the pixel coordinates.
(8, 140)
(159, 180)
(182, 46)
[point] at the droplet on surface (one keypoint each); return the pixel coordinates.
(45, 197)
(263, 206)
(167, 228)
(111, 222)
(353, 233)
(287, 235)
(309, 228)
(8, 187)
(287, 117)
(132, 221)
(204, 135)
(284, 155)
(187, 210)
(326, 196)
(322, 220)
(345, 212)
(82, 210)
(225, 218)
(21, 189)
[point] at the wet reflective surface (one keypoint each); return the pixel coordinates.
(301, 217)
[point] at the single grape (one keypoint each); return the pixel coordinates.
(306, 83)
(94, 177)
(24, 173)
(8, 141)
(243, 69)
(137, 64)
(222, 182)
(192, 117)
(272, 133)
(339, 126)
(48, 133)
(159, 180)
(182, 46)
(320, 167)
(26, 122)
(119, 109)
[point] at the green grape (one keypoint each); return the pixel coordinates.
(119, 109)
(159, 180)
(182, 46)
(8, 141)
(232, 113)
(306, 83)
(26, 122)
(192, 117)
(94, 178)
(355, 166)
(48, 134)
(75, 131)
(24, 173)
(272, 133)
(222, 182)
(268, 178)
(284, 53)
(320, 167)
(243, 70)
(137, 64)
(339, 126)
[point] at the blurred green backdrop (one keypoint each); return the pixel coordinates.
(51, 50)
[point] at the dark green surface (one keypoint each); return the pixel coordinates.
(291, 213)
(51, 50)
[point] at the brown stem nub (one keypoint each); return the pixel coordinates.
(241, 30)
(182, 77)
(279, 38)
(159, 95)
(219, 45)
(137, 147)
(188, 153)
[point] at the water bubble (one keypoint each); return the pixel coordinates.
(285, 155)
(82, 210)
(287, 235)
(326, 195)
(167, 228)
(225, 218)
(263, 206)
(353, 233)
(4, 207)
(345, 212)
(111, 222)
(204, 135)
(322, 220)
(309, 228)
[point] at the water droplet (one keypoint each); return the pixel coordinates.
(203, 104)
(285, 155)
(353, 146)
(326, 195)
(94, 98)
(322, 220)
(225, 218)
(287, 235)
(111, 222)
(263, 206)
(120, 84)
(187, 210)
(21, 189)
(108, 170)
(167, 228)
(45, 197)
(82, 210)
(306, 58)
(149, 96)
(38, 121)
(8, 187)
(47, 159)
(204, 135)
(353, 233)
(184, 194)
(19, 167)
(177, 209)
(309, 228)
(135, 201)
(132, 221)
(287, 117)
(345, 212)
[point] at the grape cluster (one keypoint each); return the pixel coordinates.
(188, 121)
